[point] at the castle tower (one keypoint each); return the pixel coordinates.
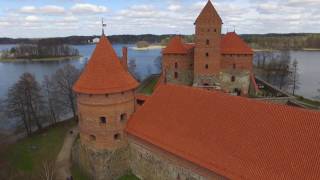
(105, 99)
(207, 55)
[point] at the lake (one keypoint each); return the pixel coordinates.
(308, 65)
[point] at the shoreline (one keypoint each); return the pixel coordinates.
(273, 50)
(148, 48)
(52, 59)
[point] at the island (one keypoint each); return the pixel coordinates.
(144, 45)
(43, 50)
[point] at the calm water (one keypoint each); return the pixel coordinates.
(308, 64)
(10, 72)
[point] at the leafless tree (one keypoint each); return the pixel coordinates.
(25, 101)
(50, 99)
(294, 77)
(48, 170)
(62, 82)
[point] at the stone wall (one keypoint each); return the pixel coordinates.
(151, 163)
(241, 81)
(101, 165)
(182, 65)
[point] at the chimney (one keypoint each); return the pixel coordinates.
(124, 60)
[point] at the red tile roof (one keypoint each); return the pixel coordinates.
(235, 137)
(208, 13)
(176, 46)
(104, 73)
(233, 44)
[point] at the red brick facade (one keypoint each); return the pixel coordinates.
(214, 61)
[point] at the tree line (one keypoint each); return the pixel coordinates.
(42, 49)
(38, 104)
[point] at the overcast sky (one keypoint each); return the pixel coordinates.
(51, 18)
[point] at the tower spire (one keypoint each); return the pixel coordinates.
(103, 25)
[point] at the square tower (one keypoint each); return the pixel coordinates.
(207, 55)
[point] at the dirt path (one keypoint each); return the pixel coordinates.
(63, 162)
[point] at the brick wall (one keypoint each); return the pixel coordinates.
(242, 62)
(108, 133)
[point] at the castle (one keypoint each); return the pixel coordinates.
(189, 133)
(214, 61)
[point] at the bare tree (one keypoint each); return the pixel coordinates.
(48, 170)
(62, 82)
(294, 77)
(50, 98)
(25, 101)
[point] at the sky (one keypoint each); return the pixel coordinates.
(57, 18)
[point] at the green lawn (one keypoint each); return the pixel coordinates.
(129, 177)
(149, 85)
(26, 157)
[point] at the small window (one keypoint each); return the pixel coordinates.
(208, 42)
(175, 75)
(103, 120)
(92, 137)
(123, 117)
(207, 54)
(207, 66)
(215, 30)
(176, 65)
(107, 95)
(205, 84)
(233, 79)
(117, 136)
(140, 102)
(234, 66)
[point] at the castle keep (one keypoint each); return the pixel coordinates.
(190, 133)
(214, 61)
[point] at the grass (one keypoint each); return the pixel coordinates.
(27, 155)
(129, 176)
(149, 86)
(78, 174)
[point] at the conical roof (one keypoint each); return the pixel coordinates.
(104, 73)
(208, 12)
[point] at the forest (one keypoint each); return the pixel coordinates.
(293, 41)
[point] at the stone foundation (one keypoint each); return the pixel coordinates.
(151, 163)
(101, 165)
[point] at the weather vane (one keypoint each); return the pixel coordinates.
(103, 25)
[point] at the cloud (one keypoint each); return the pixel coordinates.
(32, 19)
(47, 10)
(88, 8)
(174, 7)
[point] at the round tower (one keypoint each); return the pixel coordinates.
(105, 100)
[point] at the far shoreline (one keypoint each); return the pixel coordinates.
(151, 47)
(51, 59)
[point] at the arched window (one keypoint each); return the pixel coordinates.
(123, 117)
(207, 41)
(103, 120)
(206, 66)
(117, 136)
(207, 54)
(233, 78)
(176, 65)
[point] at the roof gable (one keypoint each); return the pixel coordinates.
(104, 72)
(235, 137)
(176, 46)
(233, 44)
